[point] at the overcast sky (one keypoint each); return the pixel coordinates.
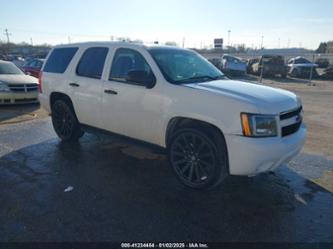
(281, 23)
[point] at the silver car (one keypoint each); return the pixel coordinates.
(233, 65)
(15, 86)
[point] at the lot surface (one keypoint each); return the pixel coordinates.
(125, 193)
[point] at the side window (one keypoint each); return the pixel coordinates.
(32, 64)
(39, 64)
(92, 62)
(59, 60)
(129, 66)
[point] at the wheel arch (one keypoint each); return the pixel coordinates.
(59, 95)
(185, 122)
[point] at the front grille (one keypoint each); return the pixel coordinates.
(25, 100)
(290, 129)
(294, 120)
(286, 115)
(23, 87)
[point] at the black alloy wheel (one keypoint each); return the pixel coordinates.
(196, 159)
(65, 122)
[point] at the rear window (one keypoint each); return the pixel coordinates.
(276, 60)
(92, 62)
(59, 60)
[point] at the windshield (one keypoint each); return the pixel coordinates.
(183, 66)
(9, 68)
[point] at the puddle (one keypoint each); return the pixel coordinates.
(141, 153)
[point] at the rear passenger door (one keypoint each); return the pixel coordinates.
(87, 85)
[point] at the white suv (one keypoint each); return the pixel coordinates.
(174, 99)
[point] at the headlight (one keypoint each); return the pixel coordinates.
(257, 125)
(4, 87)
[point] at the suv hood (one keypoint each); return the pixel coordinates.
(267, 100)
(15, 79)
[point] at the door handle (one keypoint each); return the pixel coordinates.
(108, 91)
(73, 84)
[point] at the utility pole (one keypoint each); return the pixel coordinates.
(183, 42)
(229, 31)
(262, 42)
(7, 34)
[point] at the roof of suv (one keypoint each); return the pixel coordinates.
(108, 43)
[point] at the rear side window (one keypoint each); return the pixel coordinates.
(92, 62)
(59, 60)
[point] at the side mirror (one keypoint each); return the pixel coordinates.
(141, 77)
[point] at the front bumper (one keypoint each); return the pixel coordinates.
(18, 98)
(44, 102)
(251, 156)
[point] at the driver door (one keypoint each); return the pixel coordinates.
(131, 108)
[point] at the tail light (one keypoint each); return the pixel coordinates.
(40, 81)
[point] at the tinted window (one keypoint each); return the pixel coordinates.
(59, 60)
(127, 60)
(92, 62)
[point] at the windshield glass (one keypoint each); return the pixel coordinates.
(183, 66)
(9, 68)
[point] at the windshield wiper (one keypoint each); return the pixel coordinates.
(201, 77)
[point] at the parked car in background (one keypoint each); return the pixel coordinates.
(249, 64)
(301, 67)
(17, 60)
(271, 65)
(15, 86)
(322, 62)
(217, 62)
(33, 67)
(232, 65)
(327, 73)
(173, 98)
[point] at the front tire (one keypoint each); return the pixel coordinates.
(198, 161)
(65, 122)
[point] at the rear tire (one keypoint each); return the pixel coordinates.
(199, 160)
(65, 122)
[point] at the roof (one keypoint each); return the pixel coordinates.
(117, 43)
